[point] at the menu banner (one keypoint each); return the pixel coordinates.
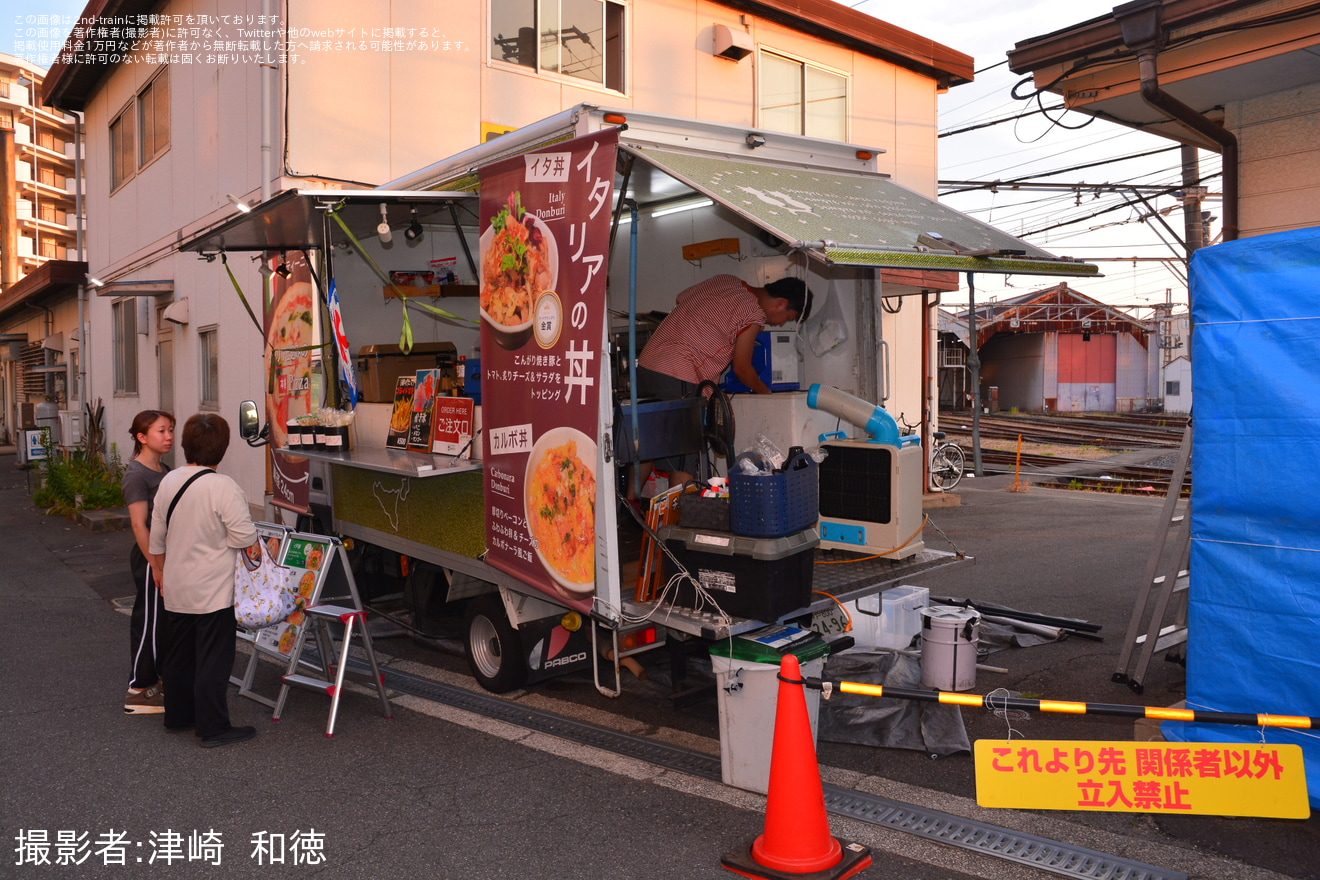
(290, 330)
(545, 221)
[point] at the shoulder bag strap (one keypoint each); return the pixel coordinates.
(177, 495)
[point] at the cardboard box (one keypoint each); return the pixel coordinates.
(380, 366)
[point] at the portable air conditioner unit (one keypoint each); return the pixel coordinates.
(870, 497)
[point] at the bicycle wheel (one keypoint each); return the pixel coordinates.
(946, 466)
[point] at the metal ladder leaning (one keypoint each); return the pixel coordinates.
(334, 663)
(1167, 577)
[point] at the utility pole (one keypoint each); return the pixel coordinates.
(1193, 229)
(974, 364)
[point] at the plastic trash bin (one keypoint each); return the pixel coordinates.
(747, 683)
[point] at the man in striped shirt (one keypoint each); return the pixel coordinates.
(714, 323)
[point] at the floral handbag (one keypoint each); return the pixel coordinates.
(263, 595)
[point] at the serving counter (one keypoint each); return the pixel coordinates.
(391, 461)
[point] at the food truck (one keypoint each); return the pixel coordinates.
(498, 299)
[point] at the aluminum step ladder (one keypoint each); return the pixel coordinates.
(1167, 578)
(354, 621)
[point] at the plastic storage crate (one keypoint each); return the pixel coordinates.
(758, 578)
(774, 505)
(696, 512)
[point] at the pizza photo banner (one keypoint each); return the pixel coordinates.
(290, 328)
(545, 230)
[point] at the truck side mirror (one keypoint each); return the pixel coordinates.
(249, 424)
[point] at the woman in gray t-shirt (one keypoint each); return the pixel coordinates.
(153, 437)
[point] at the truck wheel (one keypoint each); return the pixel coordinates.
(492, 647)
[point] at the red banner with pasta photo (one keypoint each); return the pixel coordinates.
(545, 220)
(290, 325)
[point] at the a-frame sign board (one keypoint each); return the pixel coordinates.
(312, 557)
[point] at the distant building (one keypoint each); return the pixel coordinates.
(1052, 350)
(40, 265)
(1178, 385)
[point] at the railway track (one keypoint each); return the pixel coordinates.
(1116, 433)
(1109, 432)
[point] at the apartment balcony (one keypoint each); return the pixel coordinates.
(44, 191)
(51, 228)
(47, 156)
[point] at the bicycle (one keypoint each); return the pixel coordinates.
(947, 459)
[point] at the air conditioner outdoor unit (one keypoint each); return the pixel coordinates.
(70, 427)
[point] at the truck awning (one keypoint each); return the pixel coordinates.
(296, 219)
(855, 219)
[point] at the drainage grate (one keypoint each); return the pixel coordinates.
(990, 840)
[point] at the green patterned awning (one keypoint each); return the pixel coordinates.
(1009, 265)
(856, 218)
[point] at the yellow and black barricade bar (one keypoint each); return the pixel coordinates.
(1065, 707)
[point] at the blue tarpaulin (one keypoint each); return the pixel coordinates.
(1254, 607)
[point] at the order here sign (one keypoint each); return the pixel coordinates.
(1217, 779)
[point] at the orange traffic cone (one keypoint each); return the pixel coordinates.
(797, 842)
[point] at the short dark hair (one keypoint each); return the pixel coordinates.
(205, 439)
(794, 290)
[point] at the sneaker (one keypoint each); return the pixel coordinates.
(150, 701)
(232, 735)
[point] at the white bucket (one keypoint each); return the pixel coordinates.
(948, 647)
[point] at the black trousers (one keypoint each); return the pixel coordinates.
(198, 657)
(144, 625)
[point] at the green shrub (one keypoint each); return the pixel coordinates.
(81, 480)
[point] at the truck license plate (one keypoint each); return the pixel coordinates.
(830, 621)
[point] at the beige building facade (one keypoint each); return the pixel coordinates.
(1244, 79)
(366, 92)
(40, 265)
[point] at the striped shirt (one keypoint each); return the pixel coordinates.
(695, 342)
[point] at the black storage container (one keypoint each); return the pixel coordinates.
(757, 578)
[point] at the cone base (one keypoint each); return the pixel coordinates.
(856, 858)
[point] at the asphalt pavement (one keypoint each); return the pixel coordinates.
(440, 789)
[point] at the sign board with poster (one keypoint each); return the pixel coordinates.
(291, 329)
(545, 221)
(401, 416)
(452, 426)
(424, 395)
(307, 555)
(35, 443)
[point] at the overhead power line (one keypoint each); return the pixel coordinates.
(1008, 184)
(1027, 186)
(1000, 121)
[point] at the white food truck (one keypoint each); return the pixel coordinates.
(502, 486)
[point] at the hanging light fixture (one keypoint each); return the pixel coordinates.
(414, 230)
(383, 228)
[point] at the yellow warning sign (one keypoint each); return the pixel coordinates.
(1214, 779)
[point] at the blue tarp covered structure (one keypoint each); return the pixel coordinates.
(1254, 612)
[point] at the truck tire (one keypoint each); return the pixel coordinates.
(492, 646)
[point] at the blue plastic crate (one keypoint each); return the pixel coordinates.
(774, 505)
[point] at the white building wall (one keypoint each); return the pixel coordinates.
(1178, 371)
(1279, 139)
(1132, 373)
(367, 117)
(1014, 363)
